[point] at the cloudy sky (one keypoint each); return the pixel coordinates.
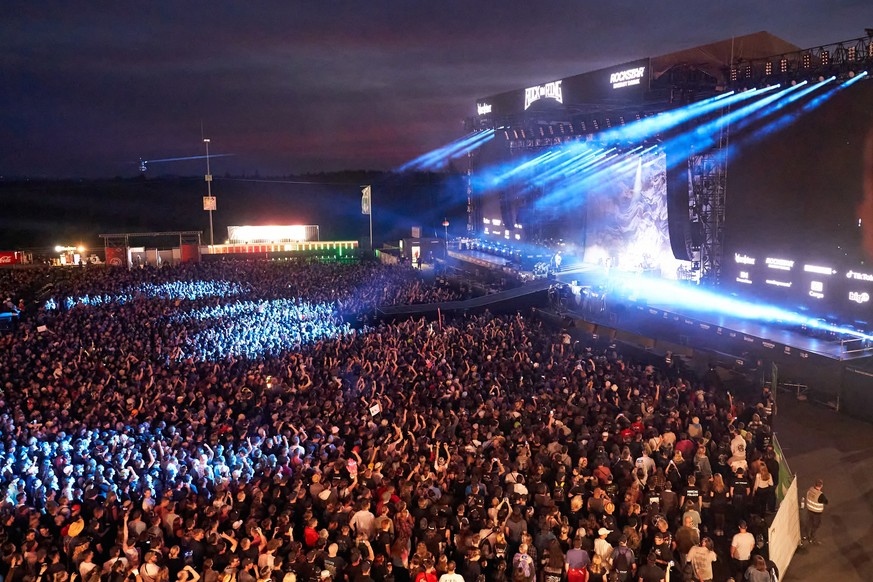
(86, 89)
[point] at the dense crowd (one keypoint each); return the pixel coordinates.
(231, 422)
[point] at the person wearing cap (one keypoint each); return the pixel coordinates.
(815, 505)
(742, 545)
(602, 547)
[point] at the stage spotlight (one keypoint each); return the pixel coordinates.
(783, 65)
(768, 68)
(825, 58)
(807, 60)
(851, 53)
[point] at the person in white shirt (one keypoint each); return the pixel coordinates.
(646, 463)
(451, 575)
(742, 545)
(738, 446)
(701, 558)
(602, 547)
(363, 521)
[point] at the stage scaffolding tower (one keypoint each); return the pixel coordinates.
(708, 175)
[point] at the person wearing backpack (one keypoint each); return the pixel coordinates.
(624, 562)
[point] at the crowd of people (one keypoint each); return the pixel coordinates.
(235, 421)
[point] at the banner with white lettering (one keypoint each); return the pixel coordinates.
(366, 200)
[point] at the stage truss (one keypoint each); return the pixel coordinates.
(708, 177)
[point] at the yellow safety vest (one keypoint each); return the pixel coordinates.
(812, 502)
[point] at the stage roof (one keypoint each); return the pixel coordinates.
(716, 58)
(629, 84)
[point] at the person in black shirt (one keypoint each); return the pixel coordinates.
(691, 494)
(650, 572)
(364, 576)
(740, 489)
(334, 563)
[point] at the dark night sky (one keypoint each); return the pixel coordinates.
(86, 88)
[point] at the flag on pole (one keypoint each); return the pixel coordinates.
(365, 200)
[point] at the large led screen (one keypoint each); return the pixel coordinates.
(799, 207)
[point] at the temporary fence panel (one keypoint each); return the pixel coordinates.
(784, 532)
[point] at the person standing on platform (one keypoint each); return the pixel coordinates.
(815, 506)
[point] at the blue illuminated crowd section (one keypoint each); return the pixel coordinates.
(799, 210)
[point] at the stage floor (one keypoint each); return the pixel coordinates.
(648, 318)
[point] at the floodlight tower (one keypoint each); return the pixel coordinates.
(211, 201)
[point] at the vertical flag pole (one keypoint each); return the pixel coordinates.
(367, 208)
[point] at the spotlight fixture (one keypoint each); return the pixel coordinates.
(783, 65)
(825, 58)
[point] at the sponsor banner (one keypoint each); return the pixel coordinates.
(116, 256)
(625, 83)
(10, 258)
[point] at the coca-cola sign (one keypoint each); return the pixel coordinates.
(9, 258)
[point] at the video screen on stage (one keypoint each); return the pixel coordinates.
(626, 218)
(799, 208)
